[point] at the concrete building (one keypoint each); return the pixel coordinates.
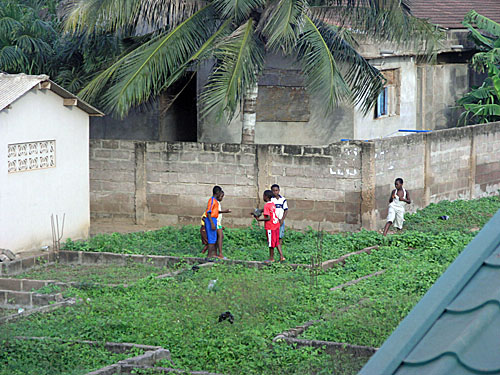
(418, 95)
(44, 163)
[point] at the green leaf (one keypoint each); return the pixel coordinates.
(240, 59)
(142, 73)
(238, 10)
(483, 23)
(282, 22)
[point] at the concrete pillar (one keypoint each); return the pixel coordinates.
(368, 181)
(264, 165)
(427, 170)
(472, 162)
(140, 183)
(249, 115)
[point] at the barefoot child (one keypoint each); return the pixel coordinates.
(220, 228)
(397, 202)
(272, 226)
(212, 213)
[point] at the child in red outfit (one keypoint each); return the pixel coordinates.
(272, 226)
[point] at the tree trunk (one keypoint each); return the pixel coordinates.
(249, 103)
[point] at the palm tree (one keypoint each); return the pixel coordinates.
(26, 40)
(234, 36)
(482, 104)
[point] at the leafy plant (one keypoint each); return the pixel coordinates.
(482, 104)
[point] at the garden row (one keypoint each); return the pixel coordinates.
(181, 313)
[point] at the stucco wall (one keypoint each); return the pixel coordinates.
(368, 127)
(28, 198)
(343, 186)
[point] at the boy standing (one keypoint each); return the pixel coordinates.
(397, 202)
(281, 208)
(272, 226)
(212, 213)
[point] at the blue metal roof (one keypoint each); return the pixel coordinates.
(455, 328)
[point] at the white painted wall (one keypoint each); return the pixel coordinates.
(367, 127)
(27, 199)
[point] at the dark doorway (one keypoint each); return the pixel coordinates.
(177, 107)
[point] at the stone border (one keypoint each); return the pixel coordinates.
(146, 360)
(352, 282)
(330, 346)
(13, 299)
(90, 258)
(43, 309)
(332, 262)
(290, 337)
(18, 266)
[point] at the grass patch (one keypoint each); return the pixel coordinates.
(33, 357)
(99, 274)
(6, 312)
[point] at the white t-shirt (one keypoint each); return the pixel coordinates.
(219, 218)
(281, 206)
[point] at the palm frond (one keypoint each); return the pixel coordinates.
(482, 22)
(12, 59)
(322, 76)
(238, 10)
(100, 15)
(142, 73)
(281, 23)
(9, 26)
(240, 60)
(137, 17)
(364, 80)
(382, 20)
(202, 53)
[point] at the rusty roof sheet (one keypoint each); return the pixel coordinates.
(450, 13)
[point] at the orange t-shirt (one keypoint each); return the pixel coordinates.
(213, 207)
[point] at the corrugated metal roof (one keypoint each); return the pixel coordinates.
(450, 13)
(13, 86)
(455, 328)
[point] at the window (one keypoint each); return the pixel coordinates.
(388, 100)
(381, 106)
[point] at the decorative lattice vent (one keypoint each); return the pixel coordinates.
(31, 155)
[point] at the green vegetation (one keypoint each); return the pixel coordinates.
(99, 274)
(482, 104)
(181, 313)
(48, 357)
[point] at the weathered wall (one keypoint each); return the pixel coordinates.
(438, 88)
(343, 186)
(163, 183)
(459, 163)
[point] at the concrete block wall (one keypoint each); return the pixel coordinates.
(112, 179)
(449, 164)
(321, 184)
(181, 175)
(399, 157)
(341, 187)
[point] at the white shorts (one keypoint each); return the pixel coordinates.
(396, 217)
